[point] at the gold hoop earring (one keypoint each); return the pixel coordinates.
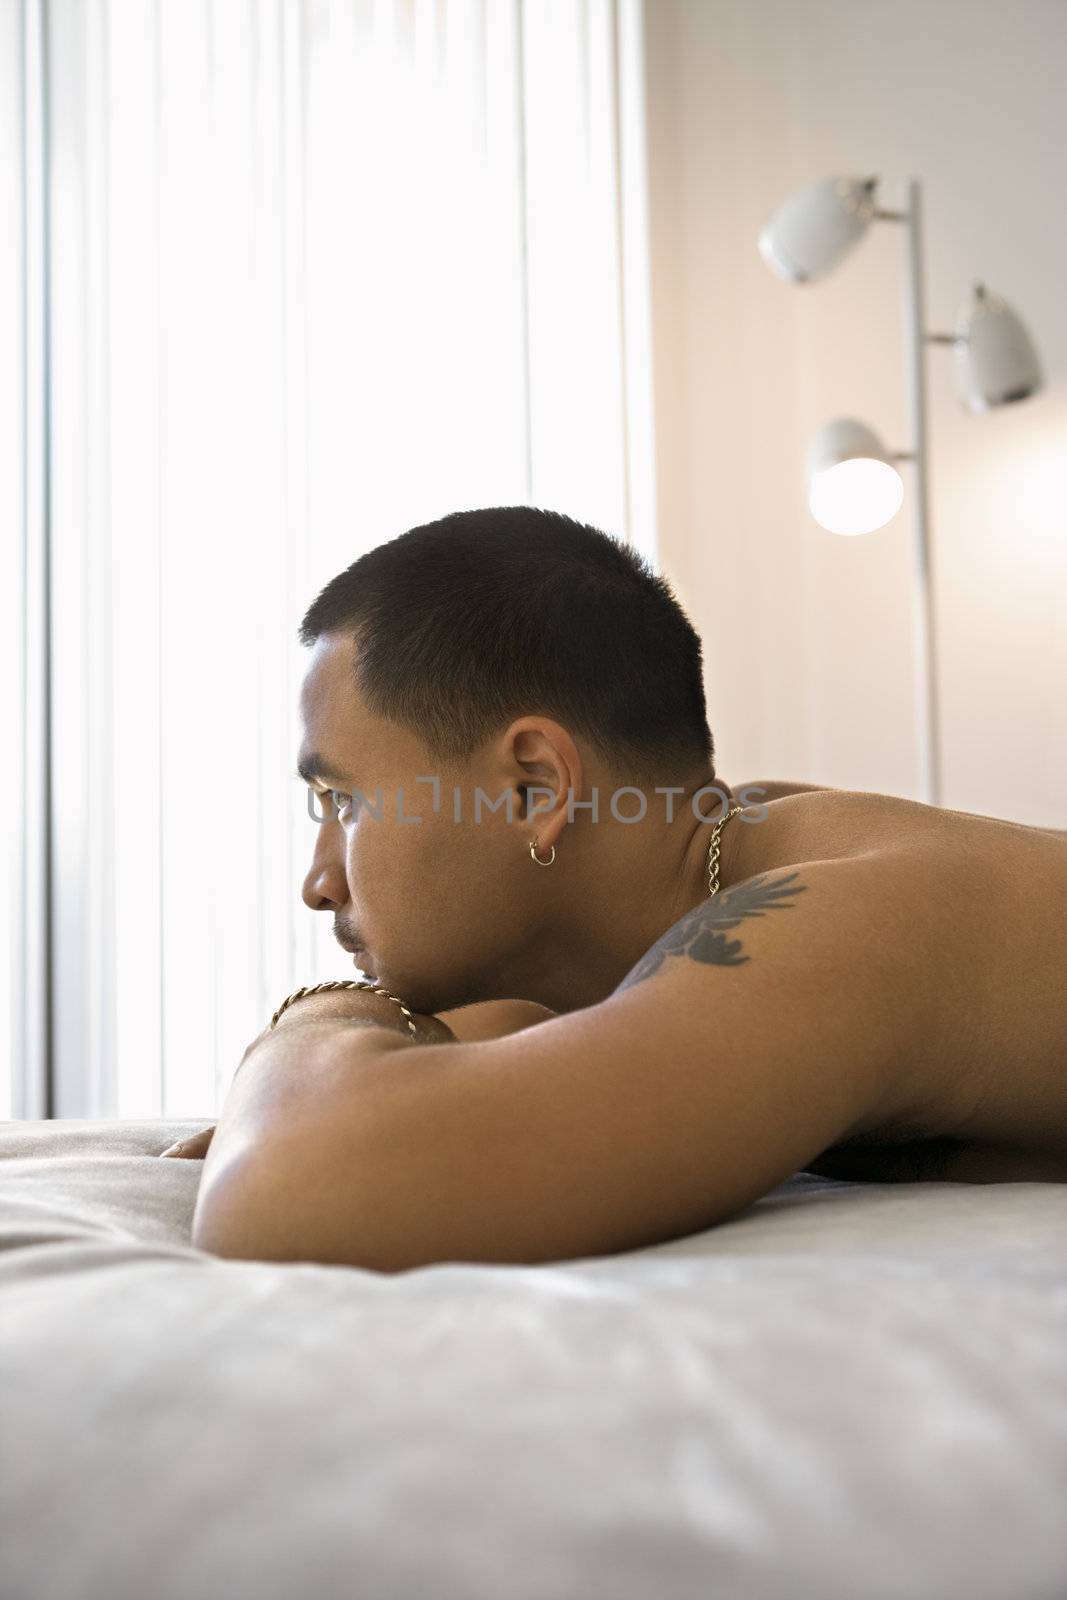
(537, 858)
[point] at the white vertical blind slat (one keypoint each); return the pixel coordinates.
(70, 558)
(131, 133)
(296, 86)
(12, 512)
(572, 262)
(635, 268)
(24, 980)
(100, 1045)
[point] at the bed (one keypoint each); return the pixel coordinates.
(848, 1392)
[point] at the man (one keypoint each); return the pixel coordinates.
(638, 1001)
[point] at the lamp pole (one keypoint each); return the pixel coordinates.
(923, 629)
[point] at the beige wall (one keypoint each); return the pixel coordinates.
(807, 635)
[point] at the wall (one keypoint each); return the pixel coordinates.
(807, 635)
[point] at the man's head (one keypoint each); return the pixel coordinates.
(496, 649)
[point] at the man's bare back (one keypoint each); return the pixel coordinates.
(994, 956)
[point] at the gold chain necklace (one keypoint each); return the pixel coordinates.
(713, 850)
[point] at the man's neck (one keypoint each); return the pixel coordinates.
(652, 879)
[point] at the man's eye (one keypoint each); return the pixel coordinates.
(324, 804)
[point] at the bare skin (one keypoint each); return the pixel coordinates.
(996, 1109)
(997, 1065)
(873, 991)
(996, 1069)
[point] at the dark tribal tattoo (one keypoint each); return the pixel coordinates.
(698, 933)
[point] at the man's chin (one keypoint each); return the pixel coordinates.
(422, 993)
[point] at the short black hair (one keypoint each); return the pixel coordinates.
(463, 624)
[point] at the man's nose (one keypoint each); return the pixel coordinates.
(325, 887)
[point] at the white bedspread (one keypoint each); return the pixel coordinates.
(850, 1392)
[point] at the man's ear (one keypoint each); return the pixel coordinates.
(545, 760)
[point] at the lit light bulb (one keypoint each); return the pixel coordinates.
(853, 487)
(856, 496)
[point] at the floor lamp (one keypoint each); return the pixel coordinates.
(853, 486)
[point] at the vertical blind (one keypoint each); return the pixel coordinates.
(294, 275)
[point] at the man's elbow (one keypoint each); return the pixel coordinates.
(240, 1209)
(229, 1218)
(260, 1210)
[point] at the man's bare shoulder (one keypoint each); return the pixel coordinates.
(819, 961)
(953, 920)
(793, 923)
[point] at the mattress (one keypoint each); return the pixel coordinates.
(848, 1391)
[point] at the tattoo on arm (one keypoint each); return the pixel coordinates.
(699, 933)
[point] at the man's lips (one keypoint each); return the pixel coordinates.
(356, 951)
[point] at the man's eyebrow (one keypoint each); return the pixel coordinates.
(314, 766)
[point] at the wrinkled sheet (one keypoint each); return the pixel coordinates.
(848, 1392)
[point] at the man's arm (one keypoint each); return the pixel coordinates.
(482, 1019)
(287, 1053)
(768, 1025)
(339, 1009)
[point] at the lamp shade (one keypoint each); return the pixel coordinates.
(809, 234)
(853, 486)
(996, 362)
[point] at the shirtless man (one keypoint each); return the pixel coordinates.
(623, 1035)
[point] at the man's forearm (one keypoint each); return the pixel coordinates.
(337, 1044)
(333, 1011)
(319, 1077)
